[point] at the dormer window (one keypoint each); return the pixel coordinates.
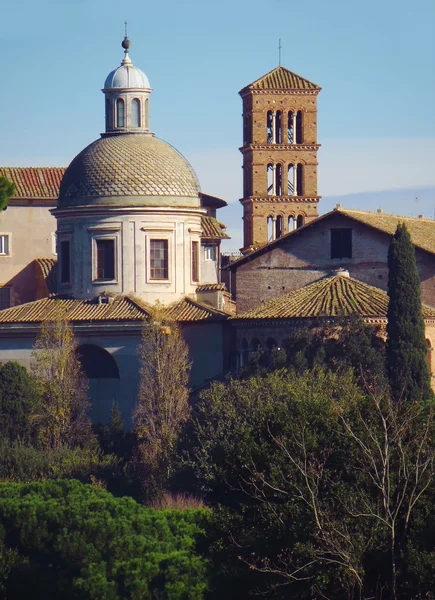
(120, 114)
(135, 113)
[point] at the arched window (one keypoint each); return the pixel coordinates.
(255, 344)
(269, 131)
(291, 180)
(278, 127)
(120, 118)
(300, 180)
(299, 221)
(299, 128)
(278, 227)
(291, 223)
(270, 180)
(271, 343)
(278, 179)
(270, 231)
(290, 129)
(135, 113)
(96, 362)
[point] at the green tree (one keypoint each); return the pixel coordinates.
(63, 419)
(163, 400)
(320, 485)
(7, 189)
(63, 539)
(19, 401)
(407, 366)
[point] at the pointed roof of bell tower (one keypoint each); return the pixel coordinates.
(281, 78)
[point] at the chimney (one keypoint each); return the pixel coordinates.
(380, 211)
(338, 206)
(421, 216)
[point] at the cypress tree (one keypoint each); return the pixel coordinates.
(407, 366)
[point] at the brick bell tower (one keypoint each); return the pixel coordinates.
(279, 156)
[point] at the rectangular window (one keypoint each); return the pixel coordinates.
(209, 253)
(341, 243)
(65, 262)
(54, 243)
(195, 261)
(4, 244)
(105, 259)
(5, 297)
(158, 259)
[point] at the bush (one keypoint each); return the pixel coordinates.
(83, 543)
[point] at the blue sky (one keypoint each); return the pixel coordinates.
(375, 61)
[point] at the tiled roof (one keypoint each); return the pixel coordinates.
(48, 270)
(121, 309)
(422, 231)
(281, 78)
(34, 182)
(209, 287)
(192, 310)
(330, 297)
(213, 229)
(131, 165)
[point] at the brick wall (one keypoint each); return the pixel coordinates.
(304, 257)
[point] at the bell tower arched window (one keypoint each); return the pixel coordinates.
(120, 113)
(135, 112)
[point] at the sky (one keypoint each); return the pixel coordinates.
(375, 61)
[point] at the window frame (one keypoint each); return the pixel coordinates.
(158, 238)
(8, 237)
(105, 237)
(334, 254)
(134, 102)
(213, 248)
(120, 102)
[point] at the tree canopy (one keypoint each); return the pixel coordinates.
(63, 539)
(7, 189)
(408, 369)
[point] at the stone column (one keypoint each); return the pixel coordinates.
(294, 114)
(295, 179)
(273, 228)
(273, 127)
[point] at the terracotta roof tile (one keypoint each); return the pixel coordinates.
(281, 78)
(209, 287)
(121, 309)
(330, 297)
(192, 310)
(34, 182)
(422, 231)
(47, 268)
(212, 229)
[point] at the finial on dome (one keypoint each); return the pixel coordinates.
(126, 45)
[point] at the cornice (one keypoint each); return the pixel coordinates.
(288, 92)
(288, 147)
(281, 199)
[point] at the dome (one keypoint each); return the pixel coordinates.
(132, 170)
(127, 76)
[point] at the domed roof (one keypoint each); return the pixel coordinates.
(132, 170)
(127, 76)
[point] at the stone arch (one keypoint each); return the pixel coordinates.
(255, 344)
(271, 343)
(102, 371)
(300, 221)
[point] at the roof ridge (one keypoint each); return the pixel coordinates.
(382, 214)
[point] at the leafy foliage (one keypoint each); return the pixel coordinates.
(63, 419)
(406, 345)
(163, 400)
(79, 542)
(318, 485)
(7, 189)
(19, 400)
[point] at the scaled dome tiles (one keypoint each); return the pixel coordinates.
(129, 169)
